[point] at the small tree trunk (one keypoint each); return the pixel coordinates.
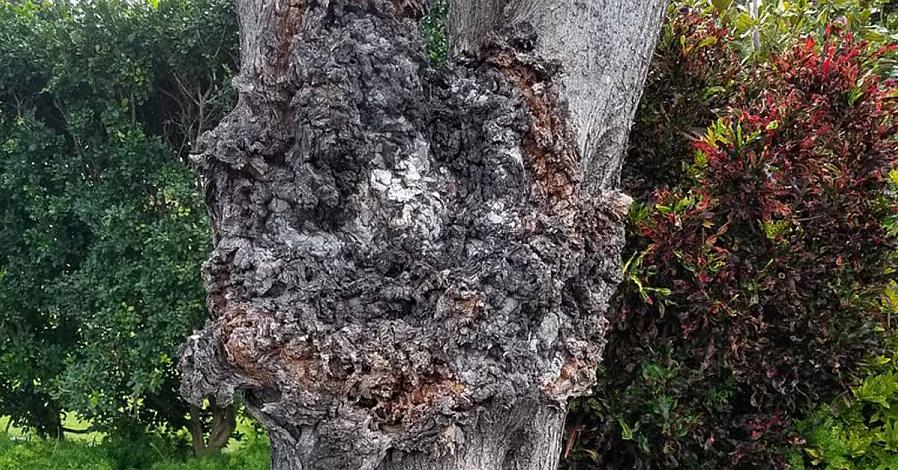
(50, 424)
(411, 266)
(223, 424)
(59, 431)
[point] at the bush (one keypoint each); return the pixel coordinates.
(860, 429)
(141, 450)
(101, 222)
(690, 83)
(253, 454)
(775, 25)
(754, 286)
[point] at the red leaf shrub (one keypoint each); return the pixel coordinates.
(690, 83)
(754, 287)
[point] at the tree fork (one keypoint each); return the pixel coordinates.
(411, 266)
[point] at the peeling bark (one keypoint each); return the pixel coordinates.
(411, 266)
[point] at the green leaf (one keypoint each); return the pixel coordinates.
(625, 430)
(722, 5)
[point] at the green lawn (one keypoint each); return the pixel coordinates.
(22, 450)
(71, 422)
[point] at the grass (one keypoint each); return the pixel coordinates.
(21, 450)
(71, 421)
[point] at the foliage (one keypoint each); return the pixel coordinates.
(754, 285)
(433, 28)
(860, 429)
(50, 455)
(102, 226)
(690, 84)
(47, 455)
(702, 65)
(253, 454)
(764, 28)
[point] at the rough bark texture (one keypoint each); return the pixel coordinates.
(605, 47)
(410, 270)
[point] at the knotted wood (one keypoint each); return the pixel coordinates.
(410, 267)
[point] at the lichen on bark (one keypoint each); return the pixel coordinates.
(402, 254)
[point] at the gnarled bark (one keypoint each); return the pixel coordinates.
(411, 266)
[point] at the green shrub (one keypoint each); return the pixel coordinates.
(140, 450)
(102, 225)
(252, 453)
(858, 430)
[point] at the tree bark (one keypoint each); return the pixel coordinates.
(411, 266)
(605, 49)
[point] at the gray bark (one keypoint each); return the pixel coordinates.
(605, 47)
(411, 266)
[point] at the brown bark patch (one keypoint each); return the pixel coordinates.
(566, 378)
(288, 27)
(406, 405)
(306, 369)
(548, 143)
(242, 331)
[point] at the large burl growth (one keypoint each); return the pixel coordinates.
(409, 270)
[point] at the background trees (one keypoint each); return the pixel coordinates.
(102, 227)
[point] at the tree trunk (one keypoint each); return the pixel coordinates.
(604, 47)
(411, 266)
(223, 424)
